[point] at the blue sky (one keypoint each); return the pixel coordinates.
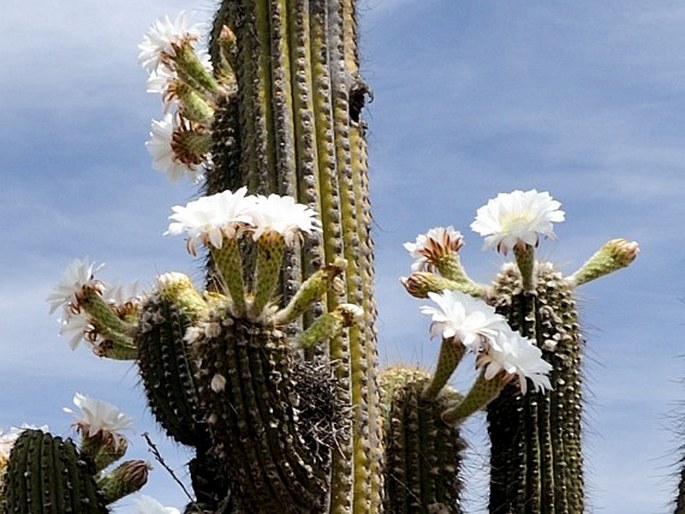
(583, 99)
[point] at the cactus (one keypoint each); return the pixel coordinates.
(423, 453)
(536, 462)
(46, 474)
(49, 475)
(271, 373)
(536, 457)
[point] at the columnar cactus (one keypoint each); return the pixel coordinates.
(536, 455)
(271, 373)
(47, 474)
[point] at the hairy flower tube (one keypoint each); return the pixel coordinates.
(517, 218)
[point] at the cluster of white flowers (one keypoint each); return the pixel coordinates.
(210, 219)
(78, 280)
(476, 325)
(510, 219)
(162, 44)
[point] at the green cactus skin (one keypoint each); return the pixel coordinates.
(680, 498)
(46, 475)
(423, 454)
(292, 126)
(168, 371)
(253, 404)
(536, 459)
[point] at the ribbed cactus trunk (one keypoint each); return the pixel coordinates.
(536, 458)
(291, 125)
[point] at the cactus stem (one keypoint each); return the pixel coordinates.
(525, 260)
(420, 283)
(451, 352)
(310, 291)
(482, 392)
(229, 265)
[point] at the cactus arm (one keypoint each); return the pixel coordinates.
(46, 474)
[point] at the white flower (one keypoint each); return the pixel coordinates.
(78, 275)
(210, 218)
(164, 158)
(283, 215)
(516, 356)
(160, 79)
(147, 505)
(99, 416)
(517, 217)
(164, 37)
(118, 294)
(437, 243)
(75, 327)
(460, 316)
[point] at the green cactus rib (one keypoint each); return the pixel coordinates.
(46, 475)
(536, 458)
(168, 371)
(254, 422)
(423, 454)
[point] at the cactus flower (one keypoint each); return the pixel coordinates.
(211, 218)
(78, 275)
(148, 505)
(99, 416)
(77, 327)
(437, 243)
(517, 218)
(283, 215)
(165, 155)
(516, 356)
(165, 37)
(460, 316)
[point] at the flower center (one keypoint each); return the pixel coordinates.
(514, 222)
